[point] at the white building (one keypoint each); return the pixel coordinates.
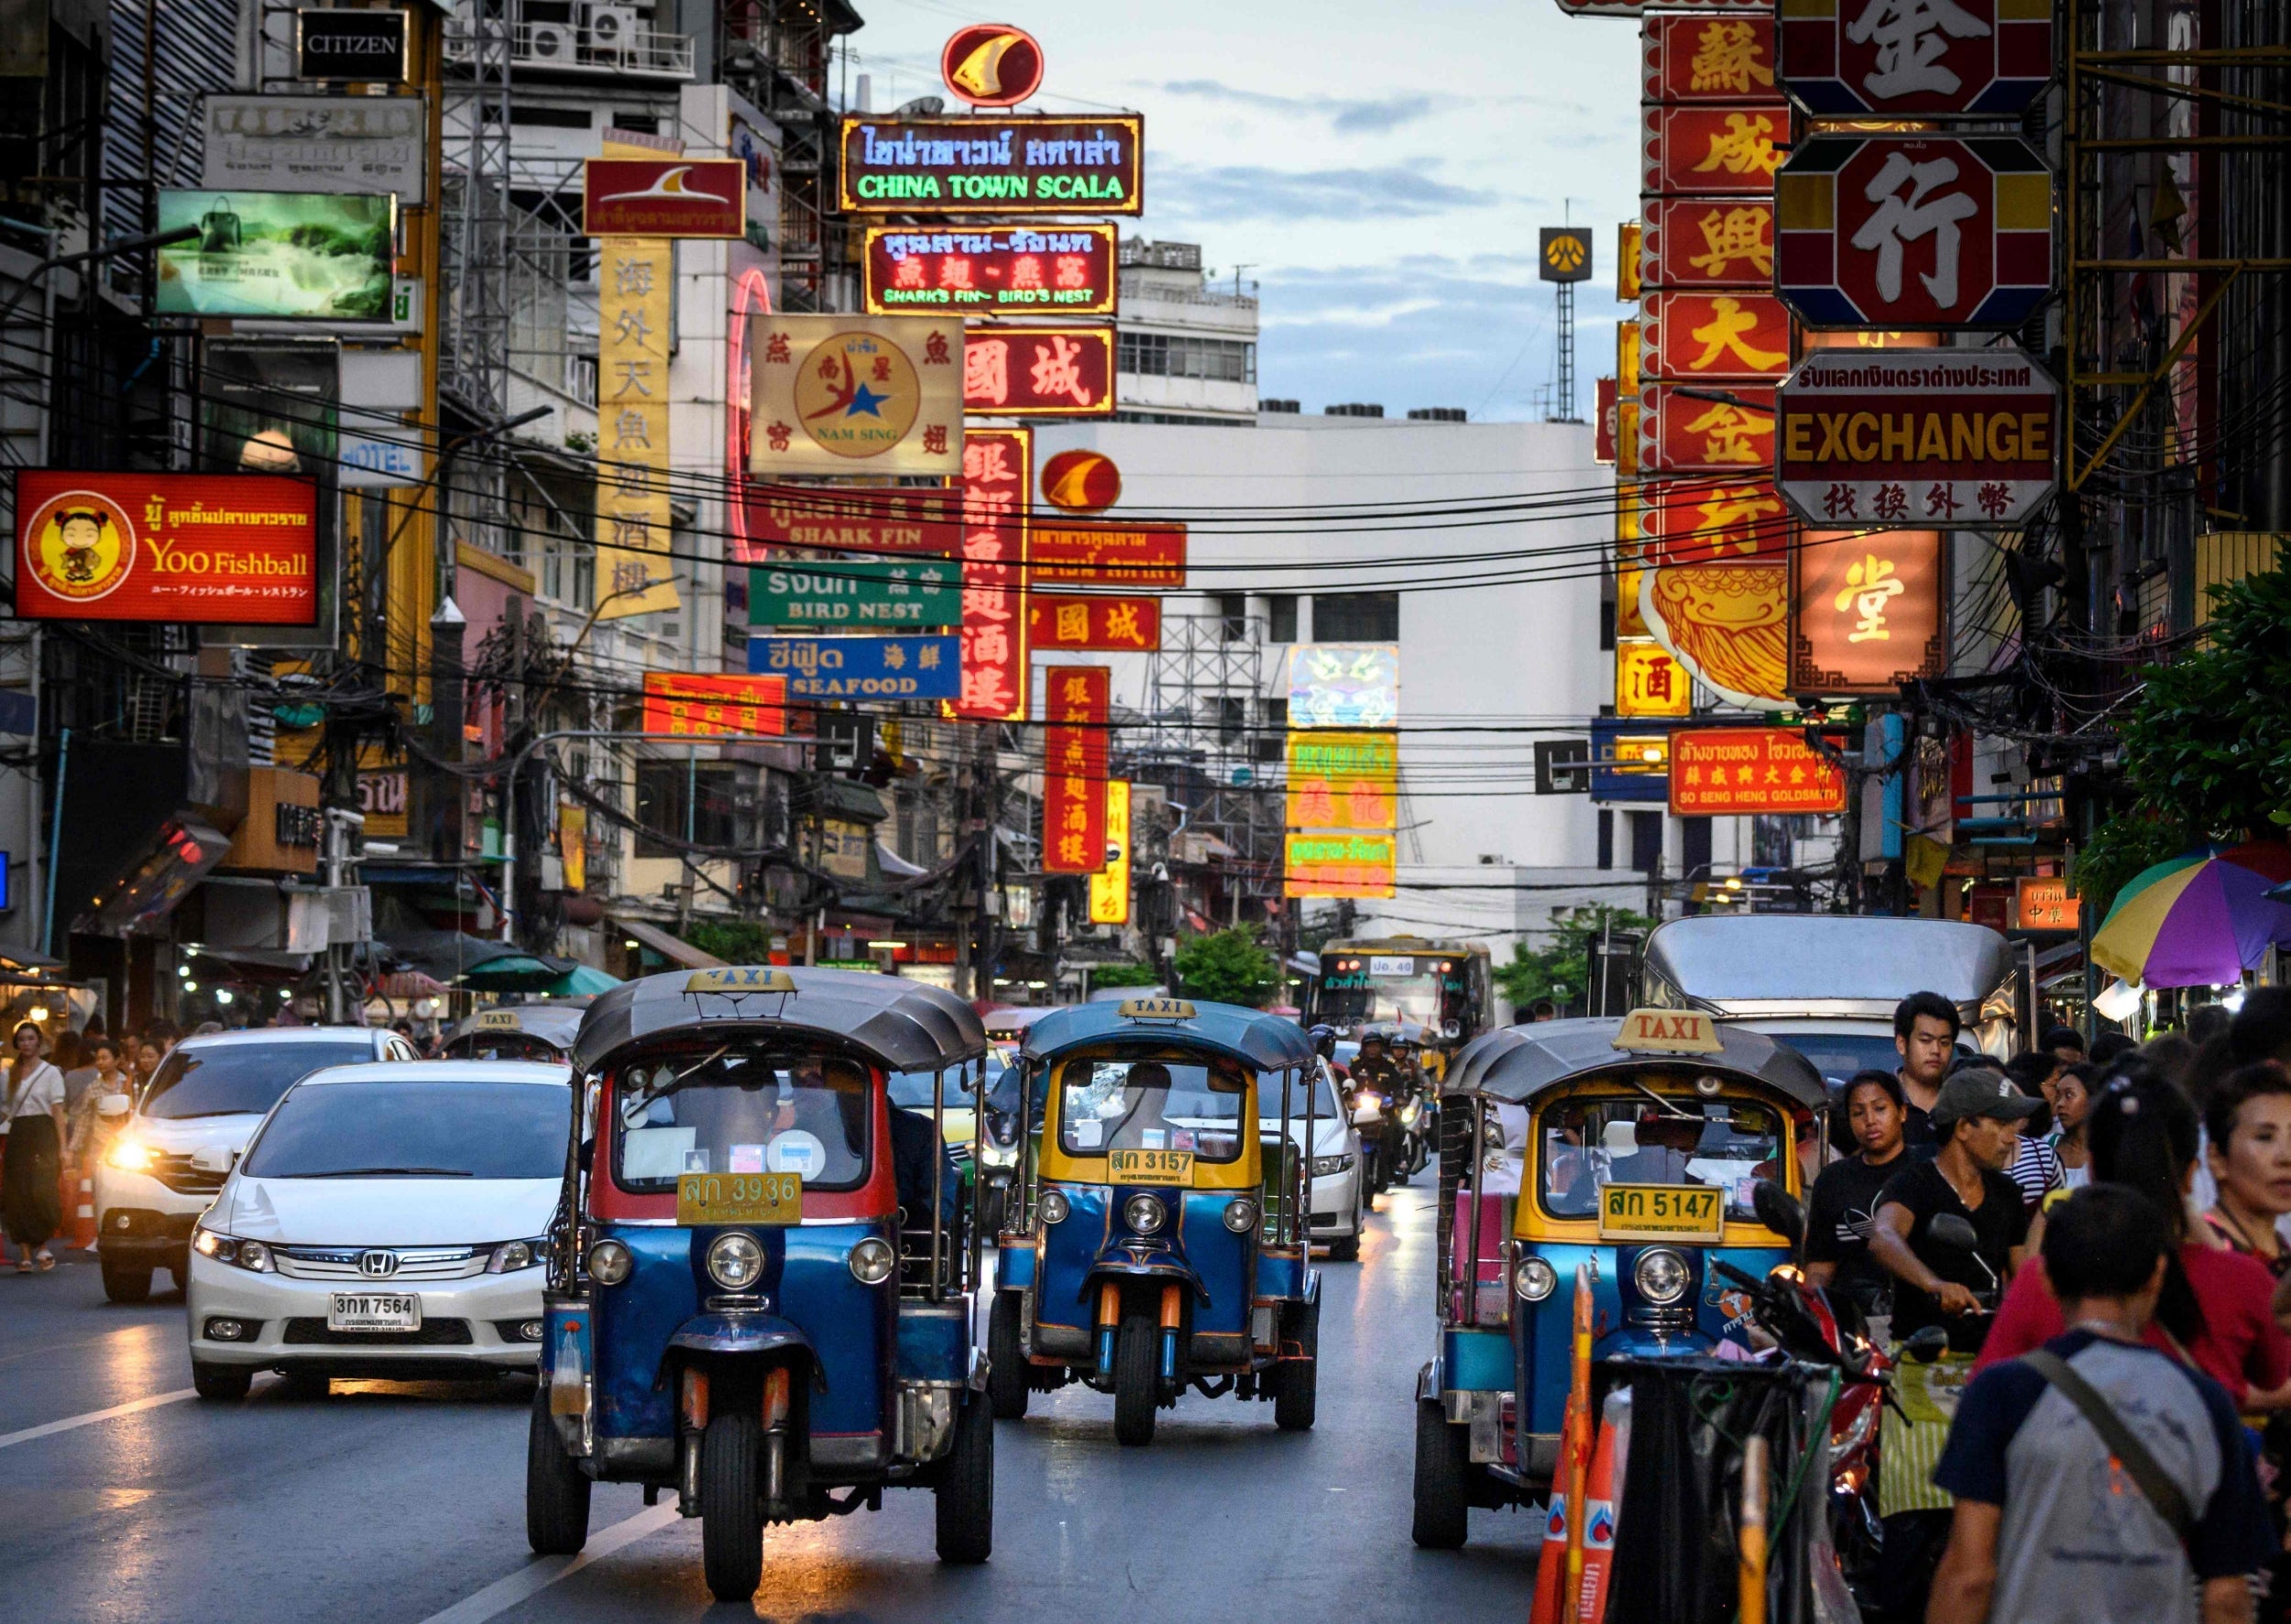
(1187, 350)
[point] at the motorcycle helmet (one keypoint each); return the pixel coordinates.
(1323, 1040)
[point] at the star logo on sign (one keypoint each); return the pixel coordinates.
(864, 399)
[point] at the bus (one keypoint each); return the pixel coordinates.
(1442, 986)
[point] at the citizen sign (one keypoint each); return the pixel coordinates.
(350, 47)
(1961, 439)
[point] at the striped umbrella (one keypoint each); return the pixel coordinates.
(2198, 921)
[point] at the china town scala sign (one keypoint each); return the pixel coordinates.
(1917, 232)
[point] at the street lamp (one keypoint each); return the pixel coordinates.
(134, 245)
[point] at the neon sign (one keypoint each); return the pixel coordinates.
(992, 269)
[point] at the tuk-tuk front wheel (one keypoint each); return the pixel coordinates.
(966, 1485)
(556, 1489)
(1137, 1379)
(1006, 1367)
(732, 1505)
(1444, 1472)
(1297, 1396)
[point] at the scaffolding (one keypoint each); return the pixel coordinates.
(776, 53)
(1211, 739)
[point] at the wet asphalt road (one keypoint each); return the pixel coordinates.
(399, 1503)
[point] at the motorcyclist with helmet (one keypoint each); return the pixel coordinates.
(1379, 1085)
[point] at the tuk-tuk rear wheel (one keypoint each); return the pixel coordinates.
(1443, 1467)
(731, 1506)
(556, 1489)
(1136, 1381)
(965, 1494)
(1006, 1368)
(1297, 1398)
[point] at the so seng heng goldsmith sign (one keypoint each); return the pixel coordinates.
(197, 549)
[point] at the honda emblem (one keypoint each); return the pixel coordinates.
(378, 1266)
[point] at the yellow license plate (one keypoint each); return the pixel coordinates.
(1149, 1166)
(739, 1198)
(1661, 1213)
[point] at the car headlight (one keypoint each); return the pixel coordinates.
(1053, 1207)
(1323, 1166)
(1534, 1279)
(1143, 1214)
(1241, 1215)
(873, 1261)
(129, 1155)
(1661, 1276)
(512, 1256)
(224, 1248)
(735, 1260)
(610, 1262)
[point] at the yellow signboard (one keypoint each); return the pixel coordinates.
(1150, 1166)
(1668, 1032)
(1343, 780)
(849, 395)
(1109, 886)
(739, 1198)
(636, 282)
(1649, 682)
(1339, 864)
(740, 978)
(573, 845)
(1662, 1213)
(1155, 1009)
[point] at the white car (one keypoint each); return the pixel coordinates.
(1339, 1204)
(189, 1125)
(387, 1220)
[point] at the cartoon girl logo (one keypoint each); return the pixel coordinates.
(80, 545)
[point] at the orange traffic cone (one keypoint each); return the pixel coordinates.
(79, 1203)
(1560, 1572)
(1598, 1544)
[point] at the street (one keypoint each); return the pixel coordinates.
(400, 1503)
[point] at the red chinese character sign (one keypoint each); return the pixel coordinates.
(1724, 335)
(1914, 231)
(1688, 428)
(1958, 438)
(1867, 610)
(1691, 57)
(1074, 782)
(709, 705)
(1038, 371)
(1706, 242)
(992, 269)
(997, 473)
(848, 394)
(1741, 772)
(1705, 520)
(1114, 554)
(1093, 624)
(1705, 148)
(878, 524)
(1920, 58)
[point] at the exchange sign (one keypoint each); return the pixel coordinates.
(1685, 428)
(872, 593)
(855, 394)
(198, 549)
(1742, 771)
(1723, 335)
(1691, 57)
(1712, 146)
(1865, 610)
(1039, 371)
(664, 197)
(1022, 163)
(992, 269)
(1914, 231)
(1951, 437)
(1706, 242)
(861, 667)
(1921, 59)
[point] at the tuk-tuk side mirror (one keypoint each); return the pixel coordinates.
(111, 1105)
(1780, 1211)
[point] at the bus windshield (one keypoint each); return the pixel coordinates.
(1432, 989)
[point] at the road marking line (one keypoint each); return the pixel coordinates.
(49, 1429)
(502, 1594)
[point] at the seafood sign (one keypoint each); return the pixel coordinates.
(861, 667)
(198, 549)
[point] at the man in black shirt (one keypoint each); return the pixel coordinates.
(1976, 1115)
(1926, 1025)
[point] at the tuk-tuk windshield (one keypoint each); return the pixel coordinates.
(1152, 1105)
(1627, 1140)
(912, 1091)
(731, 1113)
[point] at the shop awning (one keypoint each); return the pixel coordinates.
(676, 950)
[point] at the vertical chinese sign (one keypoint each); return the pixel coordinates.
(1110, 888)
(1074, 776)
(1343, 780)
(997, 475)
(635, 280)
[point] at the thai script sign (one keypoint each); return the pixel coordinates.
(705, 705)
(2040, 903)
(1011, 164)
(1094, 623)
(856, 593)
(1343, 780)
(664, 197)
(1339, 866)
(922, 523)
(1038, 371)
(1958, 438)
(851, 395)
(1733, 772)
(1921, 59)
(198, 549)
(1127, 554)
(1078, 698)
(343, 144)
(1867, 610)
(861, 667)
(992, 269)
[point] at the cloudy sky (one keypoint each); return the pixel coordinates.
(1381, 171)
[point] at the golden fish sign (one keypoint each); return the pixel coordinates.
(991, 65)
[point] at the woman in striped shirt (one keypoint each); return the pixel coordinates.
(2037, 1167)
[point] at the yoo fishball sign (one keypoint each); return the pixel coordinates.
(198, 549)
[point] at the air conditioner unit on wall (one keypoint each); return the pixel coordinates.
(612, 30)
(551, 42)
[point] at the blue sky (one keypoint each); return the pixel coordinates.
(1382, 171)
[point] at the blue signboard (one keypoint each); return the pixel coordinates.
(861, 667)
(1630, 761)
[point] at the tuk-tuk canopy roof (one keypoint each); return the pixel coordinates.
(1516, 1063)
(1266, 1042)
(903, 1026)
(1824, 964)
(553, 1024)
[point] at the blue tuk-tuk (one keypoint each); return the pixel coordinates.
(1159, 1225)
(1632, 1149)
(760, 1281)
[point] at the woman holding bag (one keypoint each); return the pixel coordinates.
(31, 1204)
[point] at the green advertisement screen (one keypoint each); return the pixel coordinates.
(278, 256)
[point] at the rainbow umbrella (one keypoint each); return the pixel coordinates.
(2200, 920)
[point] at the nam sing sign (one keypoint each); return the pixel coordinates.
(1019, 164)
(992, 269)
(201, 549)
(1731, 772)
(1957, 438)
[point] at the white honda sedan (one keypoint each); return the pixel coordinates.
(387, 1220)
(1339, 1196)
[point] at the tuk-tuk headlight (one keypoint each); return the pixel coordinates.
(1534, 1279)
(609, 1262)
(1053, 1207)
(1143, 1214)
(735, 1260)
(1241, 1215)
(873, 1261)
(1661, 1276)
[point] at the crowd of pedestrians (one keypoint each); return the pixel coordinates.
(2093, 1244)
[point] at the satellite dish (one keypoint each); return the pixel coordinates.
(922, 107)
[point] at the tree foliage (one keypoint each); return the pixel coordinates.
(735, 941)
(1227, 966)
(1124, 975)
(1561, 971)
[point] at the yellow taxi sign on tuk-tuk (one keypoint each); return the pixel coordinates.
(498, 1020)
(1668, 1032)
(1150, 1166)
(1691, 1212)
(1156, 1009)
(739, 1198)
(740, 978)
